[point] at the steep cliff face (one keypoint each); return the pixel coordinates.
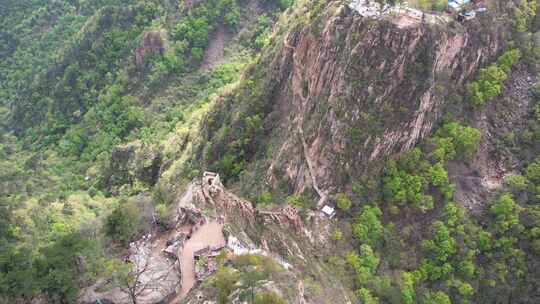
(346, 91)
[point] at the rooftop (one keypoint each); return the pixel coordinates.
(328, 210)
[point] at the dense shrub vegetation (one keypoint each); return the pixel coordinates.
(406, 182)
(489, 82)
(87, 87)
(460, 259)
(71, 90)
(246, 273)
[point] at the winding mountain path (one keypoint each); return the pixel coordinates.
(209, 234)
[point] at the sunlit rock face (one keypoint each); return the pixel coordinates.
(348, 90)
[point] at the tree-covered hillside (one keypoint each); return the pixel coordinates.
(78, 80)
(422, 132)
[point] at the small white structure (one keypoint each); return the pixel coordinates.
(467, 16)
(328, 211)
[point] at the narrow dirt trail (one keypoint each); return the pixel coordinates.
(210, 234)
(300, 287)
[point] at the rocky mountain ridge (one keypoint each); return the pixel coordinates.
(417, 131)
(285, 235)
(356, 91)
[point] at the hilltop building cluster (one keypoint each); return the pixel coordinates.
(460, 10)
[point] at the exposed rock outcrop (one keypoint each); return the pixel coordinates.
(347, 91)
(362, 90)
(280, 234)
(156, 277)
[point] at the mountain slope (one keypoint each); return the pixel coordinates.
(421, 131)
